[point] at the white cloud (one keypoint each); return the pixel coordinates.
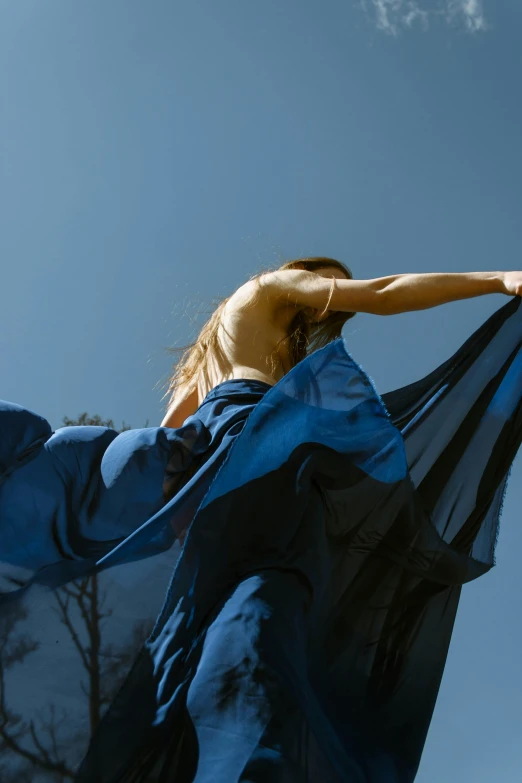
(468, 11)
(416, 14)
(391, 16)
(385, 11)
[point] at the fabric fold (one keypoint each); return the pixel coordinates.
(302, 632)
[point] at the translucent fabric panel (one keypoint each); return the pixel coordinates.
(301, 633)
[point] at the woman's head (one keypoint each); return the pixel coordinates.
(321, 265)
(326, 267)
(308, 331)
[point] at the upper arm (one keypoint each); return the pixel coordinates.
(307, 289)
(183, 406)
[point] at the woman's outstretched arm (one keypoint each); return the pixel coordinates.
(387, 295)
(407, 292)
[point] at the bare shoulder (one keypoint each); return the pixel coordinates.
(254, 323)
(272, 299)
(271, 293)
(254, 297)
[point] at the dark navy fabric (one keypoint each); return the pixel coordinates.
(300, 632)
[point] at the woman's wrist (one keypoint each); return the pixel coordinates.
(498, 283)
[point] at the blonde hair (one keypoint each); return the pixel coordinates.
(303, 338)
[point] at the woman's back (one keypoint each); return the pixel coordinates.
(250, 333)
(253, 335)
(252, 344)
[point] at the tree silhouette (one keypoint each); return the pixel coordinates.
(41, 746)
(42, 753)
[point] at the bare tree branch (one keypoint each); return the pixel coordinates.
(79, 608)
(65, 619)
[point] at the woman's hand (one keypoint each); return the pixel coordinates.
(512, 282)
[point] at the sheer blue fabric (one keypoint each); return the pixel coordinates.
(300, 632)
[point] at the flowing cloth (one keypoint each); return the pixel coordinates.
(302, 631)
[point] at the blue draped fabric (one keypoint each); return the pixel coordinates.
(300, 633)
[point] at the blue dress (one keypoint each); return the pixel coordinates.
(301, 631)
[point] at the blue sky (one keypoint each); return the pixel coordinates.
(154, 155)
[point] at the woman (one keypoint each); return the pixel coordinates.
(327, 533)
